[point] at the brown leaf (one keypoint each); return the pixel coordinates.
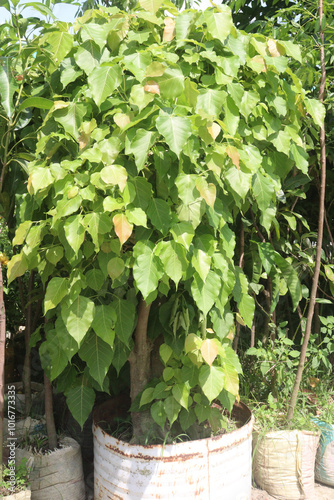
(233, 153)
(152, 87)
(209, 351)
(259, 64)
(123, 228)
(169, 31)
(83, 140)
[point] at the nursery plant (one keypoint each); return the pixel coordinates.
(166, 129)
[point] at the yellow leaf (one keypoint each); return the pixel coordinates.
(214, 130)
(152, 87)
(71, 193)
(123, 228)
(122, 119)
(259, 64)
(207, 191)
(240, 320)
(272, 47)
(209, 351)
(61, 104)
(233, 153)
(169, 31)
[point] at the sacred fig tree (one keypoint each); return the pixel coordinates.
(166, 128)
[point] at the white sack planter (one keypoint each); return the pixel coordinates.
(58, 475)
(283, 463)
(324, 461)
(20, 495)
(209, 469)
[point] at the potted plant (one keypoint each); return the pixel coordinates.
(165, 129)
(283, 453)
(14, 483)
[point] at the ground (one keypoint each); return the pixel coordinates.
(321, 493)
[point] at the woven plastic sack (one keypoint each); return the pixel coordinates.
(57, 475)
(283, 463)
(324, 461)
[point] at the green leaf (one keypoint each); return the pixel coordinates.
(116, 175)
(17, 266)
(71, 117)
(239, 181)
(95, 279)
(56, 290)
(103, 323)
(263, 191)
(181, 394)
(41, 178)
(248, 102)
(231, 381)
(139, 97)
(175, 129)
(317, 110)
(115, 267)
(143, 192)
(136, 216)
(173, 258)
(201, 262)
(292, 50)
(53, 358)
(103, 81)
(54, 254)
(219, 23)
(281, 141)
(291, 278)
(151, 5)
(245, 302)
(183, 23)
(7, 86)
(210, 103)
(205, 293)
(171, 83)
(137, 64)
(147, 396)
(158, 413)
(97, 224)
(146, 269)
(125, 319)
(74, 232)
(159, 214)
(267, 255)
(183, 233)
(60, 44)
(80, 401)
(35, 102)
(231, 118)
(88, 56)
(140, 146)
(98, 355)
(78, 317)
(211, 381)
(300, 156)
(172, 409)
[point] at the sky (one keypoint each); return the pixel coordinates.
(66, 12)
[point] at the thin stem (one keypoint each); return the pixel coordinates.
(315, 280)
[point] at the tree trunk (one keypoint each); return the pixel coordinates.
(315, 280)
(2, 366)
(140, 370)
(49, 417)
